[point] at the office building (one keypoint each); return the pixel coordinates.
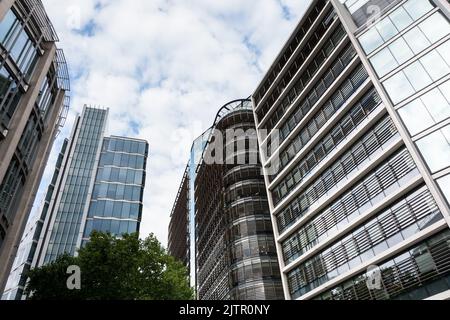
(357, 162)
(34, 84)
(15, 286)
(99, 187)
(226, 219)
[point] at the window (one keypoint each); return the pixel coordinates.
(417, 76)
(401, 18)
(384, 62)
(401, 51)
(386, 29)
(435, 27)
(417, 8)
(435, 148)
(398, 87)
(416, 117)
(435, 65)
(416, 40)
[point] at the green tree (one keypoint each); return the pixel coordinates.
(114, 269)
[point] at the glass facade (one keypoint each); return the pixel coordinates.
(26, 38)
(116, 203)
(230, 236)
(349, 186)
(73, 195)
(100, 188)
(421, 272)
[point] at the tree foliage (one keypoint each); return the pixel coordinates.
(114, 269)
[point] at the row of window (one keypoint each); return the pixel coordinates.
(420, 74)
(328, 48)
(335, 176)
(410, 44)
(114, 227)
(303, 30)
(251, 227)
(318, 91)
(381, 134)
(419, 273)
(394, 23)
(122, 175)
(124, 145)
(11, 186)
(397, 167)
(373, 190)
(117, 192)
(47, 95)
(427, 110)
(325, 113)
(330, 141)
(444, 184)
(240, 173)
(115, 209)
(264, 291)
(394, 225)
(134, 161)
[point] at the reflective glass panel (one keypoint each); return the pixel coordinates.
(435, 148)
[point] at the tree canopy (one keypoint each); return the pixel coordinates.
(114, 269)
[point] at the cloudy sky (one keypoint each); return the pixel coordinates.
(164, 68)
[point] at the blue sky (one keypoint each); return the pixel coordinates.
(164, 68)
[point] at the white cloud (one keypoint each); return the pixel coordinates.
(166, 65)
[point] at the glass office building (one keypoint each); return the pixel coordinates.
(34, 84)
(116, 203)
(230, 233)
(99, 187)
(357, 106)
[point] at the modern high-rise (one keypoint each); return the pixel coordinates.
(98, 187)
(234, 248)
(15, 286)
(34, 83)
(357, 162)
